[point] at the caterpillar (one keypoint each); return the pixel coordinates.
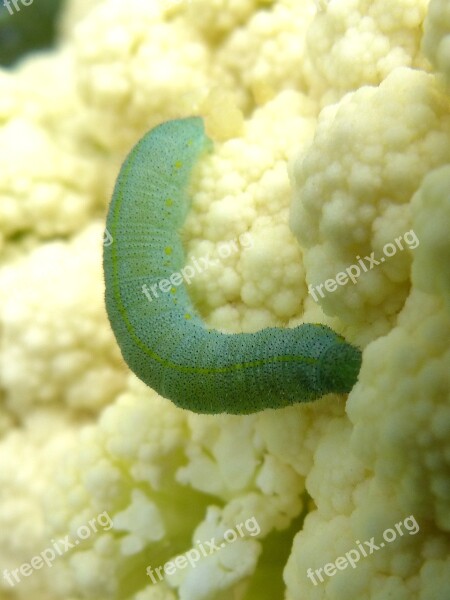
(164, 341)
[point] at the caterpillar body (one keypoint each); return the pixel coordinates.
(165, 342)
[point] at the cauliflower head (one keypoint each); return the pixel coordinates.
(331, 123)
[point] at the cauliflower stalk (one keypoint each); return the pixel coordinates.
(331, 123)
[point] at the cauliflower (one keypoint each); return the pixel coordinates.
(55, 330)
(133, 79)
(383, 458)
(331, 122)
(263, 58)
(353, 186)
(245, 186)
(53, 180)
(436, 40)
(352, 43)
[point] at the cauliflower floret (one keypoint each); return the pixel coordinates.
(352, 189)
(146, 461)
(376, 475)
(414, 391)
(135, 62)
(45, 190)
(352, 43)
(266, 55)
(56, 344)
(243, 194)
(431, 213)
(28, 458)
(127, 466)
(221, 570)
(436, 41)
(219, 17)
(52, 181)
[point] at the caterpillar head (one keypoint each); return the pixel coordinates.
(339, 368)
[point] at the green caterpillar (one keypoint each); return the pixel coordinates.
(164, 341)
